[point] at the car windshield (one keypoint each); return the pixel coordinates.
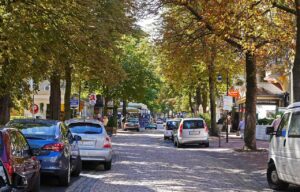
(36, 130)
(86, 128)
(133, 121)
(172, 125)
(193, 124)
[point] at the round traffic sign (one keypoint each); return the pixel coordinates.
(34, 109)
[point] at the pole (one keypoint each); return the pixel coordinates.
(79, 97)
(227, 84)
(32, 106)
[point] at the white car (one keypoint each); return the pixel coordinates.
(191, 131)
(171, 124)
(284, 152)
(95, 144)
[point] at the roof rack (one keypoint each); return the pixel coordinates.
(294, 105)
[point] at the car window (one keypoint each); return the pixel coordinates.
(3, 175)
(19, 146)
(36, 130)
(86, 128)
(294, 129)
(172, 124)
(283, 125)
(193, 124)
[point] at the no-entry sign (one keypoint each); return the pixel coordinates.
(34, 109)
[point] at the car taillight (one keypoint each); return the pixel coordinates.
(9, 168)
(180, 130)
(54, 147)
(107, 143)
(205, 128)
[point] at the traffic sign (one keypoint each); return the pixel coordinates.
(227, 103)
(34, 109)
(74, 102)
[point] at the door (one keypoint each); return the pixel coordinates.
(293, 149)
(279, 145)
(193, 129)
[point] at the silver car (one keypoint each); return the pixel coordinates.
(191, 131)
(95, 144)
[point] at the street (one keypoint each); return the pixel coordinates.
(145, 162)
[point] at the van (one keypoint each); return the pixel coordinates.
(191, 131)
(284, 153)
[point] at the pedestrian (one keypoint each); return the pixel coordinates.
(229, 123)
(276, 122)
(220, 124)
(241, 128)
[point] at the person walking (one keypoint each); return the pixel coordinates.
(276, 122)
(229, 123)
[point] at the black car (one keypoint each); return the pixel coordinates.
(54, 145)
(18, 159)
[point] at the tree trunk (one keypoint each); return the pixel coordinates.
(212, 94)
(250, 140)
(105, 106)
(115, 114)
(191, 103)
(204, 100)
(55, 96)
(198, 98)
(296, 68)
(5, 103)
(68, 78)
(124, 112)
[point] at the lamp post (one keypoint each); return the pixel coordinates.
(219, 79)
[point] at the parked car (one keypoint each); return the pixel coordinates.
(54, 146)
(191, 131)
(284, 154)
(151, 126)
(171, 124)
(159, 124)
(95, 144)
(22, 167)
(6, 185)
(132, 124)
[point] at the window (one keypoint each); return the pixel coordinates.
(294, 130)
(281, 131)
(19, 146)
(193, 124)
(86, 128)
(36, 130)
(47, 87)
(172, 125)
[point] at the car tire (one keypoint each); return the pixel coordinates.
(37, 185)
(206, 145)
(107, 165)
(165, 138)
(138, 130)
(178, 145)
(78, 168)
(273, 180)
(65, 179)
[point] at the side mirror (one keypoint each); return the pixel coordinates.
(77, 138)
(20, 182)
(270, 131)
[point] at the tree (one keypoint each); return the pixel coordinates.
(242, 24)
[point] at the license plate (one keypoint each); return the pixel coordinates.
(194, 133)
(87, 142)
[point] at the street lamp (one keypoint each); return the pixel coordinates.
(219, 79)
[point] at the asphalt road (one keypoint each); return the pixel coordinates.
(144, 162)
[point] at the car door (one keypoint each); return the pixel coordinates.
(292, 147)
(279, 145)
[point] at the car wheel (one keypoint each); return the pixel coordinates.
(65, 179)
(37, 184)
(78, 168)
(138, 130)
(273, 180)
(206, 144)
(107, 165)
(165, 138)
(178, 145)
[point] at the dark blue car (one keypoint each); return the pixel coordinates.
(53, 144)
